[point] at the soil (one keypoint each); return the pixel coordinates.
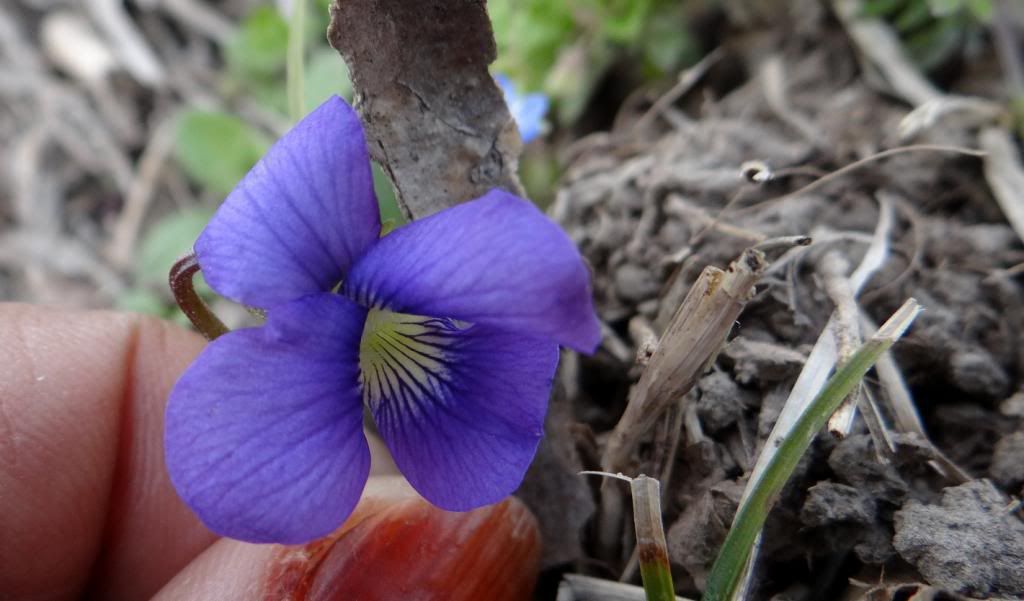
(651, 202)
(639, 200)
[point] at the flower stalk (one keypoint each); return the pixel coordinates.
(182, 284)
(295, 65)
(728, 569)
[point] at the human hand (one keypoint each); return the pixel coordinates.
(87, 509)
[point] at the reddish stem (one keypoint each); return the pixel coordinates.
(181, 280)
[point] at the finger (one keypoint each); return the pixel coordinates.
(85, 500)
(150, 533)
(77, 391)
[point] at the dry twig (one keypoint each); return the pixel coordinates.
(121, 249)
(881, 47)
(833, 268)
(689, 345)
(131, 48)
(1005, 175)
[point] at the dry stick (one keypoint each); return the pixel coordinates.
(963, 112)
(881, 46)
(75, 126)
(905, 413)
(644, 339)
(699, 217)
(818, 183)
(200, 17)
(915, 223)
(858, 164)
(126, 41)
(687, 79)
(1005, 175)
(121, 249)
(833, 269)
(678, 418)
(1005, 273)
(689, 345)
(773, 82)
(881, 435)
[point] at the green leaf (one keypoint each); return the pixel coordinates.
(267, 92)
(539, 172)
(623, 20)
(326, 75)
(389, 211)
(530, 35)
(917, 14)
(217, 149)
(141, 300)
(169, 239)
(933, 45)
(942, 8)
(261, 43)
(981, 10)
(881, 8)
(667, 43)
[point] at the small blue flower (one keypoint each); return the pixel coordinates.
(446, 329)
(527, 110)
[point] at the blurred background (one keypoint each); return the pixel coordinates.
(125, 122)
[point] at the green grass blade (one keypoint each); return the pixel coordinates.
(652, 549)
(728, 570)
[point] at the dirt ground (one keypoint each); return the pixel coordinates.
(655, 200)
(740, 152)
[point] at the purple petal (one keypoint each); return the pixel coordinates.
(496, 260)
(264, 432)
(461, 407)
(295, 224)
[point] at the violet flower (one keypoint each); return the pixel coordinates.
(527, 110)
(446, 329)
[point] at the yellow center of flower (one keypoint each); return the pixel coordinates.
(403, 358)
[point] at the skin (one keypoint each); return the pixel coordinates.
(86, 507)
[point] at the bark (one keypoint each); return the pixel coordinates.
(435, 119)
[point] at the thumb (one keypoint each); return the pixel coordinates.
(393, 545)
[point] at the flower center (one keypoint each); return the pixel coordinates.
(404, 358)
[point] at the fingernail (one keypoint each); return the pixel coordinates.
(396, 544)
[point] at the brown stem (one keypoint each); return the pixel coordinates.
(181, 280)
(435, 120)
